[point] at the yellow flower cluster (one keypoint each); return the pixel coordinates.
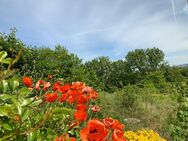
(143, 135)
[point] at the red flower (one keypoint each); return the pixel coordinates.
(43, 84)
(27, 81)
(64, 88)
(60, 138)
(111, 123)
(56, 86)
(93, 95)
(50, 76)
(87, 89)
(82, 99)
(118, 125)
(108, 122)
(63, 97)
(81, 107)
(117, 135)
(65, 138)
(50, 97)
(80, 115)
(95, 108)
(78, 85)
(94, 131)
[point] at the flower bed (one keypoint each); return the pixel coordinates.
(143, 135)
(56, 111)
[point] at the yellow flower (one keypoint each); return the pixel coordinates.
(143, 135)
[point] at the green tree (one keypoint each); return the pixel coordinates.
(102, 67)
(145, 60)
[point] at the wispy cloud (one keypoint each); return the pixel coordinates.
(101, 27)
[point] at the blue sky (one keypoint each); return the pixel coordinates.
(92, 28)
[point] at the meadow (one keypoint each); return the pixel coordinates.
(50, 94)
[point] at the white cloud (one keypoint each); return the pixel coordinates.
(82, 26)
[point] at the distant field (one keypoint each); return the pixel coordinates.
(152, 111)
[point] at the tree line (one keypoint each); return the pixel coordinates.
(141, 67)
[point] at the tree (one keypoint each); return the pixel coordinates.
(102, 67)
(145, 60)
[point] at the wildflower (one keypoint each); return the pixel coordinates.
(65, 138)
(95, 108)
(94, 131)
(140, 135)
(56, 86)
(50, 97)
(42, 83)
(87, 89)
(71, 100)
(80, 115)
(78, 85)
(63, 97)
(81, 107)
(118, 125)
(27, 81)
(117, 135)
(93, 95)
(81, 99)
(108, 122)
(50, 76)
(64, 88)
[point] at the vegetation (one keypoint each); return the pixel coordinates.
(147, 92)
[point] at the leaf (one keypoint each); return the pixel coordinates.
(10, 97)
(34, 136)
(24, 91)
(7, 126)
(36, 102)
(7, 60)
(62, 111)
(27, 101)
(25, 114)
(13, 84)
(5, 110)
(3, 55)
(72, 132)
(4, 86)
(5, 96)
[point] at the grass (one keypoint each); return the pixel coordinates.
(150, 111)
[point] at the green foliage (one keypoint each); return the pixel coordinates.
(102, 67)
(128, 97)
(145, 61)
(179, 125)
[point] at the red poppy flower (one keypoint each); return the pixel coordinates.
(64, 88)
(117, 135)
(43, 84)
(118, 125)
(94, 131)
(27, 81)
(82, 99)
(50, 97)
(87, 89)
(63, 97)
(80, 115)
(70, 100)
(56, 86)
(81, 107)
(65, 138)
(108, 122)
(93, 95)
(60, 138)
(78, 85)
(95, 108)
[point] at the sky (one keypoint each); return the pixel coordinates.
(93, 28)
